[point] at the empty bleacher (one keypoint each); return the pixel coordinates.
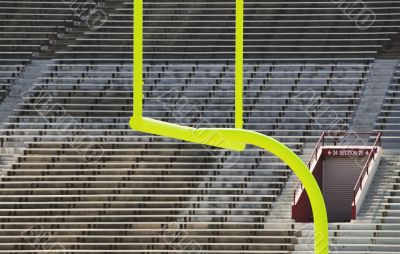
(388, 120)
(273, 30)
(76, 179)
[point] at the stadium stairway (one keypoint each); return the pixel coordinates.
(9, 73)
(281, 209)
(26, 80)
(373, 96)
(389, 118)
(374, 231)
(380, 188)
(6, 160)
(82, 27)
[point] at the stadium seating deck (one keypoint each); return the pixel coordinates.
(75, 178)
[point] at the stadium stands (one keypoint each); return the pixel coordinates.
(274, 30)
(389, 117)
(9, 73)
(75, 178)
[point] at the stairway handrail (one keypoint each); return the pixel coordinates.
(314, 155)
(321, 142)
(365, 171)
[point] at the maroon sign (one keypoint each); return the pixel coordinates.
(345, 152)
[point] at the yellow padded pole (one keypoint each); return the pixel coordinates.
(233, 139)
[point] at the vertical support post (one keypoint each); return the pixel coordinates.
(138, 59)
(239, 64)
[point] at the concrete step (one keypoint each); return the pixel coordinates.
(373, 95)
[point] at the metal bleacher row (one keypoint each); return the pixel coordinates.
(275, 30)
(76, 178)
(28, 30)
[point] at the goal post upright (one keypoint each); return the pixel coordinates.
(228, 138)
(138, 59)
(239, 45)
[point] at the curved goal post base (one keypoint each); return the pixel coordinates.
(232, 139)
(238, 139)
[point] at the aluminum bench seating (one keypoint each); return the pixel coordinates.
(32, 135)
(15, 61)
(88, 205)
(158, 12)
(256, 117)
(21, 54)
(275, 128)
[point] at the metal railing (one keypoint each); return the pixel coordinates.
(335, 135)
(314, 156)
(365, 171)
